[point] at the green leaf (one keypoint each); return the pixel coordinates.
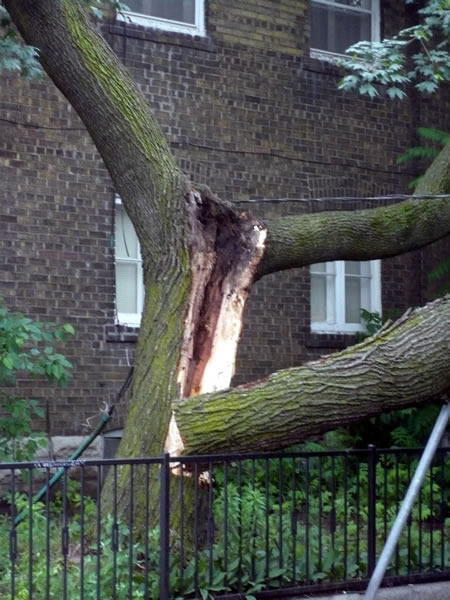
(435, 135)
(204, 593)
(8, 361)
(68, 328)
(369, 90)
(394, 92)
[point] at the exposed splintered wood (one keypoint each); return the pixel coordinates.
(196, 251)
(224, 251)
(405, 364)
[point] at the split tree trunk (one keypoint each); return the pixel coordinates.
(403, 365)
(200, 258)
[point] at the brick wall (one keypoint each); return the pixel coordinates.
(246, 111)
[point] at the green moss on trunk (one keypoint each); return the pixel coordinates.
(401, 366)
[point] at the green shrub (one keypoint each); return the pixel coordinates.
(26, 348)
(272, 525)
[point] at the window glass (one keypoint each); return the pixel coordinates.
(339, 290)
(126, 288)
(129, 279)
(126, 239)
(353, 300)
(318, 298)
(336, 29)
(172, 10)
(319, 268)
(336, 25)
(352, 267)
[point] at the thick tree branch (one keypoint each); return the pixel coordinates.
(297, 241)
(402, 365)
(437, 177)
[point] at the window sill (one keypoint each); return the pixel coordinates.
(122, 334)
(153, 34)
(334, 341)
(162, 24)
(325, 56)
(320, 61)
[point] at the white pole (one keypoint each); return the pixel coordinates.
(405, 509)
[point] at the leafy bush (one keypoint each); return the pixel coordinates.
(26, 349)
(288, 520)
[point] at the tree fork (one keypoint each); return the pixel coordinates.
(225, 248)
(188, 311)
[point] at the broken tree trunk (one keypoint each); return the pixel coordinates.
(404, 364)
(200, 257)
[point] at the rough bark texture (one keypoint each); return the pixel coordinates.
(152, 189)
(437, 177)
(402, 365)
(356, 235)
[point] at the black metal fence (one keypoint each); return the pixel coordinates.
(217, 526)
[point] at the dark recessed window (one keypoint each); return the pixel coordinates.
(338, 24)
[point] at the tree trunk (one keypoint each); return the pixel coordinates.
(200, 257)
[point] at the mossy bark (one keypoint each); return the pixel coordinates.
(403, 365)
(152, 189)
(382, 232)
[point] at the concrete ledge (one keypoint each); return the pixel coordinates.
(423, 591)
(62, 448)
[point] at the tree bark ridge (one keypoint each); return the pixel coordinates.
(302, 240)
(402, 365)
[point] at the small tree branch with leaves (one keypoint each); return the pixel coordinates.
(416, 56)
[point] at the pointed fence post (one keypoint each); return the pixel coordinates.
(164, 528)
(371, 510)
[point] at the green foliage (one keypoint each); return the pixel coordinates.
(372, 322)
(26, 349)
(390, 63)
(14, 55)
(293, 518)
(440, 274)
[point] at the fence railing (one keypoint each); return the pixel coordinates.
(217, 526)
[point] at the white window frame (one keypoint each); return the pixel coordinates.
(131, 319)
(336, 299)
(197, 28)
(375, 28)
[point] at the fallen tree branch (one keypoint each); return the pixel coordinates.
(402, 365)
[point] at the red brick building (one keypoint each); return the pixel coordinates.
(246, 93)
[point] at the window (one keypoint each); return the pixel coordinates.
(338, 292)
(129, 279)
(186, 16)
(111, 441)
(338, 24)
